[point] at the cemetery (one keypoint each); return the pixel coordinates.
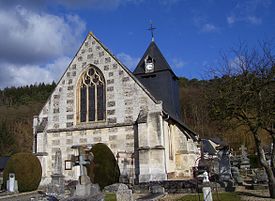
(211, 181)
(119, 127)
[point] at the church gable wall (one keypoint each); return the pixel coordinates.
(124, 96)
(125, 99)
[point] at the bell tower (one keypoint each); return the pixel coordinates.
(156, 75)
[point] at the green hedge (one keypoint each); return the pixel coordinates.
(27, 169)
(104, 170)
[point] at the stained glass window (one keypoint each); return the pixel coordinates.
(100, 102)
(83, 103)
(92, 96)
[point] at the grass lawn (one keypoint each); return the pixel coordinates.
(225, 196)
(110, 197)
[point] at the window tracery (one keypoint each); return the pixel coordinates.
(92, 96)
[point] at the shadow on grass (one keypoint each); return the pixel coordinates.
(252, 194)
(222, 196)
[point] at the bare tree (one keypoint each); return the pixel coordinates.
(243, 94)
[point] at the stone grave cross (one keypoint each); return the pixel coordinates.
(84, 157)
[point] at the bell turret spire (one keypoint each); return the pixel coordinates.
(151, 28)
(154, 72)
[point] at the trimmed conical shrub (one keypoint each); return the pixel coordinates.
(104, 170)
(27, 169)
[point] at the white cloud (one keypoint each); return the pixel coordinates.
(230, 20)
(203, 25)
(209, 28)
(248, 11)
(248, 19)
(127, 60)
(254, 20)
(178, 63)
(18, 75)
(32, 37)
(97, 4)
(34, 46)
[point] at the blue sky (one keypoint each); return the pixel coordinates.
(39, 38)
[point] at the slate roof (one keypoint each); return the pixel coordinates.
(160, 62)
(162, 84)
(208, 147)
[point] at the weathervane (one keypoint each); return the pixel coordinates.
(151, 28)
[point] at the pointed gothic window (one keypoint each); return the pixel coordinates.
(92, 96)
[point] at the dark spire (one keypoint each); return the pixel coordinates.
(159, 80)
(160, 63)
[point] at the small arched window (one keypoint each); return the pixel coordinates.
(92, 96)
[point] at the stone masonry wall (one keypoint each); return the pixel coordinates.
(125, 98)
(184, 152)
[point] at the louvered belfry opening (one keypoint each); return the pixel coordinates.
(92, 95)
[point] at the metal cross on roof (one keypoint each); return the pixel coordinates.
(151, 28)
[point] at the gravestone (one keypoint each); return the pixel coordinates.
(206, 189)
(124, 194)
(224, 165)
(157, 189)
(225, 174)
(57, 184)
(12, 185)
(244, 163)
(259, 176)
(115, 187)
(236, 175)
(124, 178)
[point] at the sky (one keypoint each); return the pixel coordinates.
(39, 38)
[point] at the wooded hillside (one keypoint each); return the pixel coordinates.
(19, 105)
(17, 108)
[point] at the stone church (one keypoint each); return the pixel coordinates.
(136, 114)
